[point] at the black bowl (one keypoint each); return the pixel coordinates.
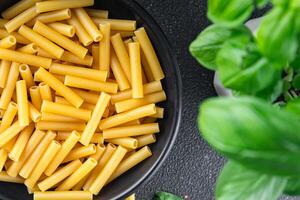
(129, 9)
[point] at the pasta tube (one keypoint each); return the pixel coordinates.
(18, 8)
(45, 92)
(66, 110)
(58, 86)
(21, 19)
(88, 24)
(4, 71)
(54, 16)
(59, 175)
(127, 142)
(128, 116)
(31, 162)
(41, 41)
(97, 13)
(80, 152)
(67, 146)
(10, 133)
(34, 114)
(129, 131)
(79, 174)
(3, 158)
(146, 140)
(104, 48)
(42, 164)
(98, 112)
(6, 178)
(82, 72)
(35, 96)
(60, 126)
(26, 75)
(8, 116)
(62, 28)
(150, 54)
(118, 24)
(33, 142)
(21, 142)
(22, 100)
(81, 33)
(8, 42)
(129, 104)
(130, 162)
(96, 139)
(108, 170)
(136, 70)
(59, 39)
(82, 83)
(95, 54)
(47, 6)
(63, 195)
(58, 118)
(119, 73)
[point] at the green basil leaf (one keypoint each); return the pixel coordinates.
(296, 81)
(293, 106)
(293, 186)
(282, 3)
(295, 64)
(277, 36)
(237, 182)
(211, 40)
(230, 13)
(252, 132)
(262, 3)
(166, 196)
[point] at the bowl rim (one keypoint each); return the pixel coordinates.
(151, 22)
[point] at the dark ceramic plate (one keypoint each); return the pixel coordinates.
(129, 9)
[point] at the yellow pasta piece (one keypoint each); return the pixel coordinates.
(98, 112)
(122, 54)
(20, 39)
(146, 140)
(58, 118)
(10, 133)
(110, 149)
(104, 48)
(89, 97)
(18, 8)
(129, 131)
(119, 73)
(8, 42)
(35, 96)
(58, 86)
(124, 34)
(3, 22)
(150, 54)
(159, 113)
(19, 57)
(80, 152)
(59, 175)
(136, 70)
(96, 139)
(107, 170)
(4, 71)
(118, 24)
(62, 28)
(81, 33)
(66, 110)
(88, 24)
(22, 100)
(82, 72)
(33, 142)
(63, 195)
(129, 104)
(148, 120)
(34, 114)
(3, 158)
(26, 75)
(128, 116)
(31, 162)
(8, 116)
(42, 164)
(47, 6)
(95, 54)
(131, 123)
(60, 126)
(131, 197)
(4, 177)
(41, 41)
(45, 92)
(69, 57)
(59, 39)
(67, 146)
(21, 142)
(97, 13)
(82, 83)
(30, 49)
(8, 90)
(53, 16)
(127, 142)
(79, 174)
(131, 161)
(21, 19)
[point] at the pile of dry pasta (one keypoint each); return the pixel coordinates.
(78, 95)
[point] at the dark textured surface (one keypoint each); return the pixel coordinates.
(192, 167)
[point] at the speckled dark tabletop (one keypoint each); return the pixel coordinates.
(192, 167)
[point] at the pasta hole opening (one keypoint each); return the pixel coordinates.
(112, 145)
(13, 104)
(102, 146)
(135, 144)
(34, 88)
(72, 31)
(94, 161)
(69, 13)
(42, 84)
(34, 47)
(12, 40)
(23, 67)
